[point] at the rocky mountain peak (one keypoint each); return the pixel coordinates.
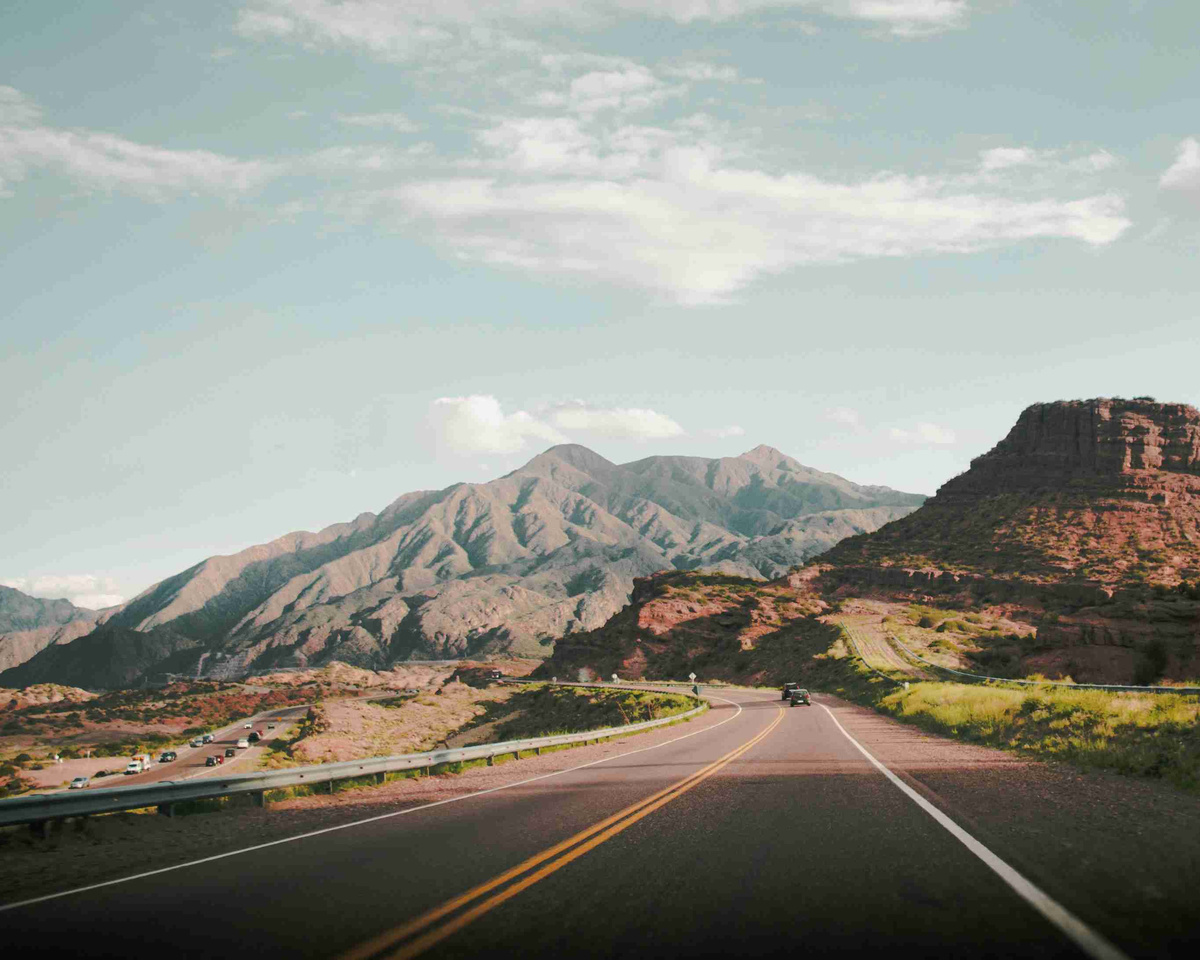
(764, 454)
(573, 455)
(1080, 440)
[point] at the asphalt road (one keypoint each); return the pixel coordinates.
(190, 763)
(779, 836)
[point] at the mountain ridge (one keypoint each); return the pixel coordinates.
(504, 566)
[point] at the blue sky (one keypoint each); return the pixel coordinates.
(271, 263)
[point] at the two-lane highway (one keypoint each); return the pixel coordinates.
(769, 830)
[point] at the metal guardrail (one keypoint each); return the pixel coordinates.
(38, 809)
(1111, 687)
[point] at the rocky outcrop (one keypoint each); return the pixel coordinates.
(717, 626)
(505, 567)
(1086, 517)
(1105, 441)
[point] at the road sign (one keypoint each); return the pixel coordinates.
(692, 677)
(616, 679)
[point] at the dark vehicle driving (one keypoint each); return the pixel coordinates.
(799, 696)
(787, 690)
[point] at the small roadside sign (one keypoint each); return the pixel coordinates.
(692, 677)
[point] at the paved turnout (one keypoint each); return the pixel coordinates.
(770, 832)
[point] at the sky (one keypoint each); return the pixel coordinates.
(268, 264)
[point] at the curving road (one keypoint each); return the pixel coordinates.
(768, 830)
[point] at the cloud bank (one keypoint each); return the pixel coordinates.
(477, 424)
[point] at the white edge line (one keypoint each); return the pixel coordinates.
(358, 823)
(1083, 936)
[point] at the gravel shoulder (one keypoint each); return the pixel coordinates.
(1100, 843)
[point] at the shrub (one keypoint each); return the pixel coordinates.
(925, 621)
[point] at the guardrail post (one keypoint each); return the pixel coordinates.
(380, 777)
(259, 798)
(491, 761)
(538, 751)
(166, 809)
(38, 829)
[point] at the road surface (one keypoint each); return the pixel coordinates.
(190, 763)
(770, 832)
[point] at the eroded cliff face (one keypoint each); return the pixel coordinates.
(1104, 441)
(1085, 518)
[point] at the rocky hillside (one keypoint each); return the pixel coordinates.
(30, 624)
(502, 567)
(1085, 519)
(718, 626)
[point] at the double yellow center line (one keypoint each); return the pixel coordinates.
(420, 934)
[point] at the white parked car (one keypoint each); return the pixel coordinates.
(79, 783)
(248, 726)
(243, 744)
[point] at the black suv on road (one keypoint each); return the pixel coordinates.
(787, 690)
(799, 695)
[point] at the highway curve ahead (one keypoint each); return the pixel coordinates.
(779, 838)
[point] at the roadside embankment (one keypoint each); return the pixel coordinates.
(1153, 735)
(102, 847)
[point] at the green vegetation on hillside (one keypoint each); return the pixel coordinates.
(1137, 734)
(545, 710)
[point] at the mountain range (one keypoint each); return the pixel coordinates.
(507, 566)
(1083, 523)
(29, 624)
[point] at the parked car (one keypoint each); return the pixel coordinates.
(210, 761)
(230, 752)
(254, 736)
(79, 783)
(207, 738)
(270, 726)
(248, 726)
(195, 742)
(168, 756)
(800, 696)
(787, 689)
(243, 744)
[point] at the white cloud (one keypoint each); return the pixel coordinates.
(903, 18)
(699, 72)
(386, 121)
(1184, 174)
(1005, 158)
(478, 424)
(929, 433)
(83, 589)
(106, 161)
(15, 107)
(844, 415)
(417, 28)
(697, 229)
(629, 423)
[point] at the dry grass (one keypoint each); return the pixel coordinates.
(1153, 735)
